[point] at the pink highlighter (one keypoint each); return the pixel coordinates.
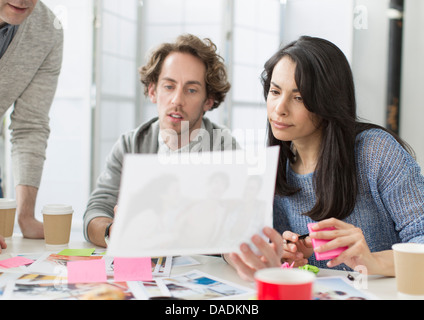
(327, 255)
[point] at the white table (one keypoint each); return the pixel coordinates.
(378, 286)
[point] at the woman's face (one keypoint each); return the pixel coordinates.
(287, 114)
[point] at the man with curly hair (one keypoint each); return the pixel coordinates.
(185, 79)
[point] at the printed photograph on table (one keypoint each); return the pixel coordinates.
(337, 288)
(150, 288)
(161, 266)
(196, 285)
(35, 278)
(5, 279)
(55, 264)
(61, 291)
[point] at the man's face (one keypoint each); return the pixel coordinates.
(180, 93)
(15, 11)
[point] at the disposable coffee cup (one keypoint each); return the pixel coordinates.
(57, 220)
(284, 284)
(409, 263)
(7, 217)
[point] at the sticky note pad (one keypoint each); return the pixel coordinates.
(77, 252)
(86, 271)
(15, 262)
(327, 255)
(132, 269)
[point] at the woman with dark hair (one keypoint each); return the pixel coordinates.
(352, 176)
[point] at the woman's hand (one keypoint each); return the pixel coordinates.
(357, 254)
(270, 253)
(296, 250)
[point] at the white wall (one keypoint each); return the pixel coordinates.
(370, 59)
(328, 19)
(165, 20)
(67, 164)
(115, 76)
(412, 103)
(256, 37)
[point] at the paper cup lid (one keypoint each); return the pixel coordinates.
(57, 209)
(409, 247)
(7, 203)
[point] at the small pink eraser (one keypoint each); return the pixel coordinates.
(327, 255)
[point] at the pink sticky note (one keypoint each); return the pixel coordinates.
(327, 255)
(85, 271)
(15, 262)
(132, 269)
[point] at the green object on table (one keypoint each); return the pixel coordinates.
(311, 268)
(77, 252)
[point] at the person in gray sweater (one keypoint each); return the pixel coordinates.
(185, 79)
(31, 45)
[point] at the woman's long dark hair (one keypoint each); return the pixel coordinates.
(325, 82)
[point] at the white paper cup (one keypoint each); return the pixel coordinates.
(409, 264)
(57, 220)
(7, 217)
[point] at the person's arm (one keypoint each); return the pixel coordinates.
(25, 209)
(100, 212)
(392, 172)
(30, 119)
(96, 230)
(101, 205)
(357, 254)
(248, 262)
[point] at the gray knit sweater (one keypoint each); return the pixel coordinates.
(29, 71)
(390, 204)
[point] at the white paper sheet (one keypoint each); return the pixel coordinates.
(193, 203)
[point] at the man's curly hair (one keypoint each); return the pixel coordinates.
(217, 84)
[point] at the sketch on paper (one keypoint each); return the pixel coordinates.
(184, 208)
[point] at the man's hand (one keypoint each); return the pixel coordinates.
(25, 208)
